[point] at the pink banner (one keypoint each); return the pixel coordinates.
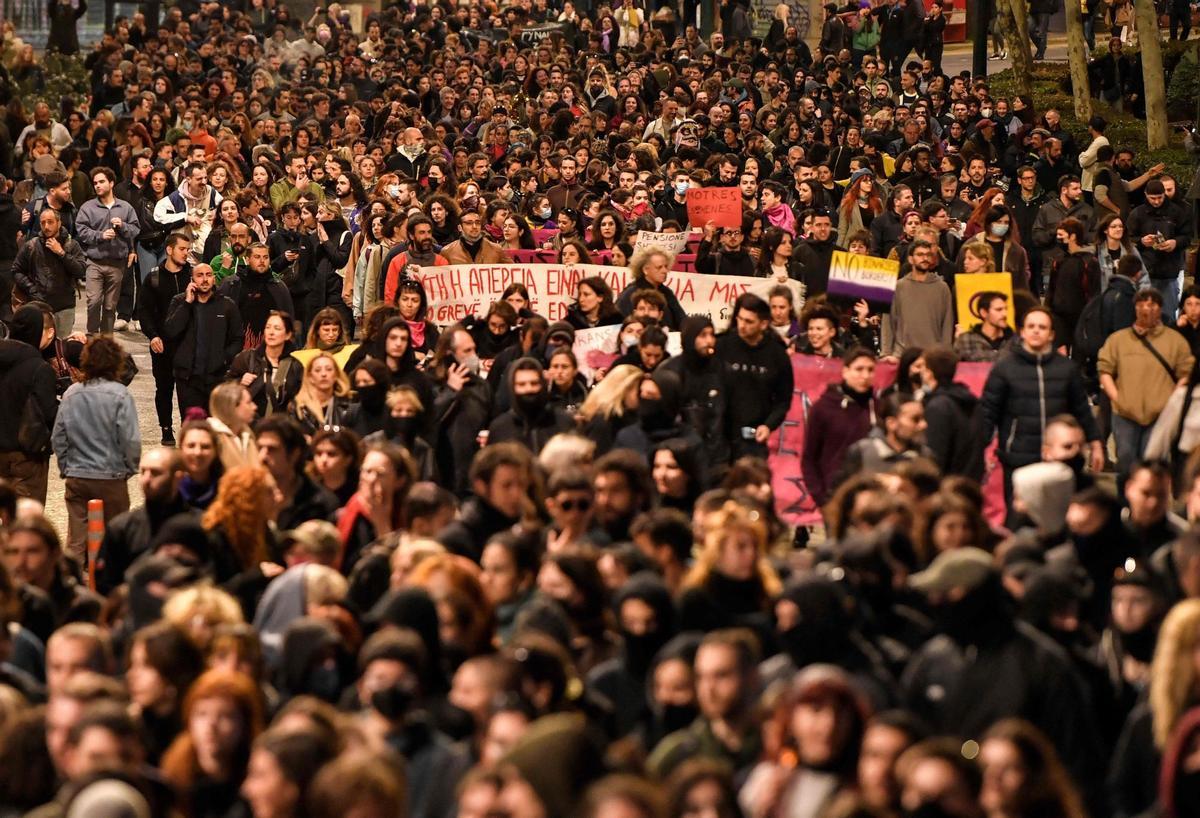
(812, 375)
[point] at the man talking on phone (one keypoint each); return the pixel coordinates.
(205, 329)
(297, 185)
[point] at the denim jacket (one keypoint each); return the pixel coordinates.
(96, 433)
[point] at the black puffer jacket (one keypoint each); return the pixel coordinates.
(25, 379)
(1023, 392)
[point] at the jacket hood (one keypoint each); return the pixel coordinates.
(930, 278)
(958, 393)
(649, 588)
(690, 330)
(14, 352)
(282, 604)
(26, 326)
(1045, 489)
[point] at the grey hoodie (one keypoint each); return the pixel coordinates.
(922, 314)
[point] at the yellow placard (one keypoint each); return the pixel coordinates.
(968, 286)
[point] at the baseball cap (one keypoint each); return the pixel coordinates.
(957, 568)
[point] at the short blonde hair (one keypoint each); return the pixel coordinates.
(212, 606)
(323, 585)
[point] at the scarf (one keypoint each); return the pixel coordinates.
(781, 216)
(416, 329)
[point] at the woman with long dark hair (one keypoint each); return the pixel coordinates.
(594, 305)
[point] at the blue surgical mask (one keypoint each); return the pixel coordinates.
(544, 213)
(999, 230)
(681, 188)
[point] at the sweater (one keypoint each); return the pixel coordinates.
(922, 313)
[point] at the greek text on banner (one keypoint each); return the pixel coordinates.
(456, 291)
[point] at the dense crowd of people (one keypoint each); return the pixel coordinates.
(386, 567)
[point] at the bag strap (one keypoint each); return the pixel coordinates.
(1157, 355)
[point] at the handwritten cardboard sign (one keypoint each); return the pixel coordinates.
(672, 243)
(720, 205)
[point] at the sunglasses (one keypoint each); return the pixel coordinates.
(581, 504)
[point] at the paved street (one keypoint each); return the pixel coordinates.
(143, 394)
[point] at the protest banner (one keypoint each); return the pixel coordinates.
(968, 286)
(458, 290)
(535, 34)
(720, 205)
(812, 375)
(856, 276)
(672, 243)
(596, 349)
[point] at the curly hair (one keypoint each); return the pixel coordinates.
(239, 510)
(102, 359)
(730, 518)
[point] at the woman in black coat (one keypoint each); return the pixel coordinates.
(64, 38)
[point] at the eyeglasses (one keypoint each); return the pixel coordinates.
(581, 504)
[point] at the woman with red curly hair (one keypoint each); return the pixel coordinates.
(247, 498)
(222, 716)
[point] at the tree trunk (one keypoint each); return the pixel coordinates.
(1077, 59)
(1015, 27)
(1152, 74)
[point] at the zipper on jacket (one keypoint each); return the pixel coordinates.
(1042, 394)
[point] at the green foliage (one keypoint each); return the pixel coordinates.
(1124, 129)
(1184, 89)
(65, 76)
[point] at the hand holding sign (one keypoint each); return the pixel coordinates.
(720, 205)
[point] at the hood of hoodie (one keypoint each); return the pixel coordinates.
(930, 278)
(13, 353)
(689, 331)
(958, 393)
(1046, 490)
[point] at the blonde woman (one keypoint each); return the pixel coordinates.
(731, 583)
(1174, 688)
(200, 610)
(611, 406)
(977, 257)
(324, 398)
(231, 412)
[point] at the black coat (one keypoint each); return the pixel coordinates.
(458, 418)
(25, 379)
(155, 296)
(952, 433)
(477, 523)
(218, 321)
(127, 536)
(1023, 392)
(533, 432)
(268, 395)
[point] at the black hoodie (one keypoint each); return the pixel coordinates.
(622, 679)
(702, 397)
(29, 383)
(760, 375)
(954, 433)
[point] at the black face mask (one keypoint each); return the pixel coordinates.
(393, 702)
(531, 405)
(809, 643)
(405, 428)
(678, 716)
(372, 397)
(639, 650)
(653, 414)
(1140, 644)
(324, 683)
(1077, 463)
(455, 722)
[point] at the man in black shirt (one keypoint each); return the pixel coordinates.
(756, 365)
(205, 330)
